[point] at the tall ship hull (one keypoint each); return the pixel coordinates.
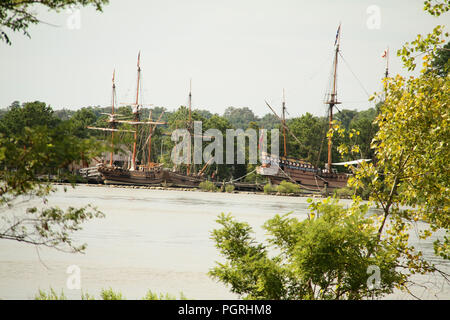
(155, 176)
(183, 180)
(303, 173)
(143, 175)
(117, 175)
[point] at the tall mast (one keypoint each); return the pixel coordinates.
(387, 63)
(190, 101)
(136, 113)
(333, 99)
(188, 170)
(283, 119)
(386, 74)
(112, 117)
(150, 140)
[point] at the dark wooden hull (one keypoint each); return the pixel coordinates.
(308, 178)
(335, 180)
(114, 175)
(183, 180)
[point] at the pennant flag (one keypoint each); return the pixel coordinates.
(337, 34)
(114, 75)
(261, 139)
(384, 55)
(139, 59)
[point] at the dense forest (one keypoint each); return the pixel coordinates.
(309, 129)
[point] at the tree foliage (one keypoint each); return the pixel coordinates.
(323, 257)
(441, 62)
(311, 130)
(33, 146)
(19, 15)
(409, 179)
(240, 117)
(327, 255)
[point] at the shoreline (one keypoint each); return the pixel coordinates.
(193, 189)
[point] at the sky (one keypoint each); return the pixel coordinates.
(237, 53)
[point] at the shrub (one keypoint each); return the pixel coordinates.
(51, 295)
(344, 192)
(229, 188)
(326, 256)
(268, 189)
(154, 296)
(111, 295)
(106, 294)
(288, 187)
(208, 186)
(86, 296)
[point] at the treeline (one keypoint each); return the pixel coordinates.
(238, 117)
(310, 130)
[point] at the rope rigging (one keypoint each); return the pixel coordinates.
(354, 75)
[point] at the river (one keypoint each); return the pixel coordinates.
(155, 240)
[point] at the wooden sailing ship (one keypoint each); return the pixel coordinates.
(188, 178)
(145, 174)
(284, 168)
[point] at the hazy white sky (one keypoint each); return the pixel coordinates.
(237, 52)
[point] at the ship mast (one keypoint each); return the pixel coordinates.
(333, 97)
(190, 101)
(112, 120)
(283, 120)
(136, 113)
(188, 170)
(386, 74)
(387, 63)
(113, 124)
(150, 140)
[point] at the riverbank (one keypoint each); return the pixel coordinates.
(301, 195)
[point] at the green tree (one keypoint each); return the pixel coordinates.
(29, 114)
(180, 118)
(80, 120)
(240, 117)
(205, 114)
(409, 179)
(269, 121)
(326, 256)
(441, 62)
(19, 15)
(311, 131)
(31, 150)
(224, 171)
(64, 114)
(345, 117)
(364, 124)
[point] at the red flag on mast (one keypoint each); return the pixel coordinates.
(261, 139)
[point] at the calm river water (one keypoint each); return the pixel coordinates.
(151, 239)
